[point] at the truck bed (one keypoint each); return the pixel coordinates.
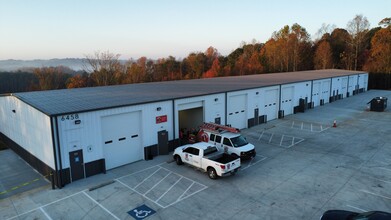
(223, 158)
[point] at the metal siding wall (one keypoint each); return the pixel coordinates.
(336, 84)
(301, 91)
(339, 84)
(212, 108)
(89, 131)
(363, 81)
(344, 86)
(27, 127)
(353, 81)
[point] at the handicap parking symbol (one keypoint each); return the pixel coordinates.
(141, 212)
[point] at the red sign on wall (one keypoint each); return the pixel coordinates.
(161, 119)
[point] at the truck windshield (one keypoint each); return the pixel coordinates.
(239, 141)
(210, 150)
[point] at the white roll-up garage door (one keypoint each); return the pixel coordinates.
(121, 139)
(316, 93)
(236, 108)
(271, 104)
(287, 100)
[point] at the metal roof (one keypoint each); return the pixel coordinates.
(66, 101)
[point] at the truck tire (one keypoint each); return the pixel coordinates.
(212, 173)
(178, 160)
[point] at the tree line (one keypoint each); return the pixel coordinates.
(289, 49)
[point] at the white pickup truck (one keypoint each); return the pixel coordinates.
(208, 158)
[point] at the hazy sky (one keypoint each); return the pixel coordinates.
(44, 29)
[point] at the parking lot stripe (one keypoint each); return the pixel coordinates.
(187, 196)
(46, 214)
(139, 171)
(32, 210)
(282, 138)
(100, 205)
(385, 197)
(250, 164)
(179, 198)
(168, 190)
(261, 135)
(383, 168)
(157, 183)
(385, 181)
(147, 178)
(354, 207)
(138, 192)
(271, 137)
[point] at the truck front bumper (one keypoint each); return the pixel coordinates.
(248, 155)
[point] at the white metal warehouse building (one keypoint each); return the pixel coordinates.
(77, 133)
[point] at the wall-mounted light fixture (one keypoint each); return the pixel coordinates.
(216, 99)
(256, 93)
(77, 122)
(158, 108)
(13, 110)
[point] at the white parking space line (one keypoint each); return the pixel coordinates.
(100, 205)
(157, 183)
(166, 193)
(305, 126)
(271, 137)
(365, 191)
(168, 189)
(384, 181)
(281, 140)
(180, 199)
(147, 178)
(46, 214)
(359, 209)
(32, 210)
(251, 163)
(140, 171)
(383, 168)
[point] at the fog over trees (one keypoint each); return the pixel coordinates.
(290, 49)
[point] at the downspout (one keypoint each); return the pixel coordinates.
(173, 120)
(54, 154)
(226, 109)
(312, 92)
(59, 153)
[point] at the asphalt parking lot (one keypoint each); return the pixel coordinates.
(304, 166)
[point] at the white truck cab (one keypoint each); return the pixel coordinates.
(227, 139)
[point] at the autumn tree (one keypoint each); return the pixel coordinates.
(167, 69)
(288, 49)
(357, 28)
(214, 71)
(341, 50)
(78, 81)
(104, 67)
(380, 54)
(51, 78)
(135, 71)
(323, 58)
(385, 22)
(195, 65)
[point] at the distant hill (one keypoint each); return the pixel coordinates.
(14, 65)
